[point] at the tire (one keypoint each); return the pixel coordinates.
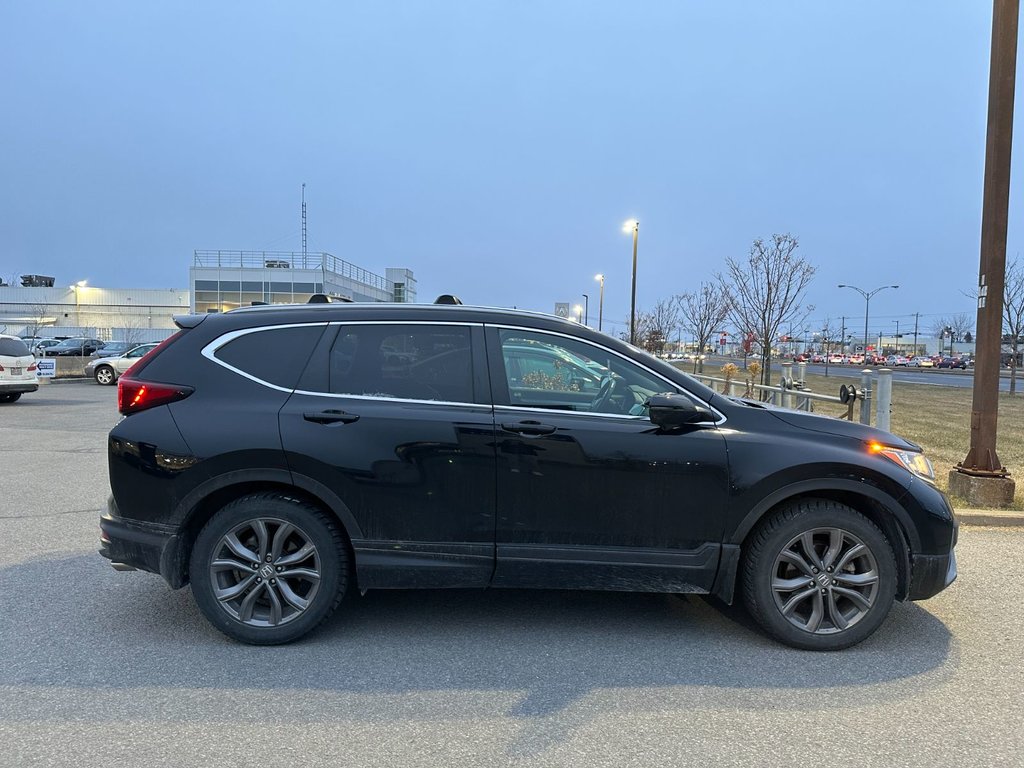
(241, 601)
(104, 374)
(10, 397)
(844, 606)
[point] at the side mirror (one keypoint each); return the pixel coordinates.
(671, 411)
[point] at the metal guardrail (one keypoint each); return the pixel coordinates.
(790, 392)
(289, 260)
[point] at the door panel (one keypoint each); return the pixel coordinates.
(418, 476)
(588, 499)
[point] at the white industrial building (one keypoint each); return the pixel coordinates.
(218, 281)
(223, 280)
(110, 314)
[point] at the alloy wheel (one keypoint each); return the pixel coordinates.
(825, 580)
(265, 572)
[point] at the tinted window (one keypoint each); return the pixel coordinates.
(276, 355)
(413, 362)
(13, 348)
(546, 371)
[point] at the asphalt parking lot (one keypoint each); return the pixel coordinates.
(101, 668)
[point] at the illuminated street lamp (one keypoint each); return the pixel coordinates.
(632, 225)
(600, 304)
(578, 311)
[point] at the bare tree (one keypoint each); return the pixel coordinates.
(1013, 315)
(37, 319)
(956, 328)
(131, 330)
(766, 291)
(830, 332)
(655, 326)
(702, 313)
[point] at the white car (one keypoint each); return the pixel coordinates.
(922, 362)
(17, 369)
(107, 369)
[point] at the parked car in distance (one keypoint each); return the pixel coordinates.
(75, 347)
(39, 346)
(107, 370)
(817, 358)
(17, 369)
(855, 360)
(113, 348)
(835, 359)
(921, 362)
(952, 362)
(279, 457)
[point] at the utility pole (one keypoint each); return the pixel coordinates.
(981, 477)
(842, 338)
(917, 317)
(897, 337)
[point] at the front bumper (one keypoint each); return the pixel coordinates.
(145, 546)
(930, 574)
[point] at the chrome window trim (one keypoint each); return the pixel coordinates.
(676, 387)
(210, 350)
(561, 412)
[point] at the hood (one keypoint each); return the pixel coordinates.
(829, 425)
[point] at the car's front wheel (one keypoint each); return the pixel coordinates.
(104, 374)
(267, 568)
(819, 575)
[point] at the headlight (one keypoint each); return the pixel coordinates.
(915, 463)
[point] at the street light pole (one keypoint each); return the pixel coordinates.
(634, 226)
(586, 309)
(867, 305)
(897, 337)
(600, 304)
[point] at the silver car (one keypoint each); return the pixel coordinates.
(106, 369)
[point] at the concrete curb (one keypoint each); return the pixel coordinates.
(64, 380)
(1000, 517)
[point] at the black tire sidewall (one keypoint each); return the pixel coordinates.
(104, 369)
(789, 524)
(313, 523)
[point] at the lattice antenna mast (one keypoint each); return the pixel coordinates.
(303, 220)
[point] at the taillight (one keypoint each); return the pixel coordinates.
(33, 367)
(134, 395)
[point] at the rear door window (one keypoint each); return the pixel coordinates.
(409, 362)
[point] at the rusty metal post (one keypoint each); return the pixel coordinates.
(981, 459)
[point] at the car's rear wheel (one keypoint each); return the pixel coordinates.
(104, 374)
(819, 575)
(10, 397)
(266, 569)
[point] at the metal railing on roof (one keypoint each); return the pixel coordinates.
(289, 260)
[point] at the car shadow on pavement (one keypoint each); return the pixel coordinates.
(546, 657)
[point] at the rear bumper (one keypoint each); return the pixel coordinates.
(11, 387)
(144, 546)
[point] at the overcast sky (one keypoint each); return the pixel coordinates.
(496, 147)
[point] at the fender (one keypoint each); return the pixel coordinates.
(827, 484)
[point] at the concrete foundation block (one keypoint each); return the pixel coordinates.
(994, 492)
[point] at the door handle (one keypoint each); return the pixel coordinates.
(330, 417)
(529, 428)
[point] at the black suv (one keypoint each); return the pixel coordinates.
(280, 457)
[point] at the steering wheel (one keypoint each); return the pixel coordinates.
(609, 388)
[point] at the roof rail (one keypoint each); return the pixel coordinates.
(323, 298)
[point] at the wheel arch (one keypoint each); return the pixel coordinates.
(195, 510)
(876, 505)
